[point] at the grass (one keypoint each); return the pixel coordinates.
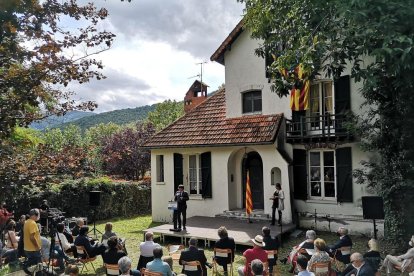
(132, 230)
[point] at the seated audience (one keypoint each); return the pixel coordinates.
(11, 242)
(402, 260)
(194, 254)
(113, 253)
(300, 249)
(72, 270)
(302, 264)
(225, 242)
(83, 240)
(108, 232)
(124, 265)
(257, 267)
(361, 268)
(146, 250)
(62, 242)
(257, 252)
(373, 256)
(270, 244)
(344, 241)
(20, 223)
(169, 261)
(157, 265)
(320, 255)
(79, 223)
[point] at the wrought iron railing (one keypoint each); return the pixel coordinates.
(323, 126)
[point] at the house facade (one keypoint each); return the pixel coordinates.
(246, 128)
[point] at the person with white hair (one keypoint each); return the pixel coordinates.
(343, 242)
(124, 265)
(402, 261)
(79, 223)
(373, 256)
(308, 243)
(361, 268)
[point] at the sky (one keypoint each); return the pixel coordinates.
(156, 50)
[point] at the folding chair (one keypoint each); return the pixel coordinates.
(85, 259)
(192, 266)
(222, 253)
(146, 272)
(406, 267)
(271, 256)
(174, 250)
(112, 269)
(321, 269)
(266, 268)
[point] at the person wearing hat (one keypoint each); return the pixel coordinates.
(257, 252)
(402, 261)
(181, 197)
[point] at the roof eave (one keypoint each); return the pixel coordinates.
(218, 55)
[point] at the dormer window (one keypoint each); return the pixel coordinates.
(252, 102)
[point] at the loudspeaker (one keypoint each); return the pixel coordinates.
(94, 198)
(372, 207)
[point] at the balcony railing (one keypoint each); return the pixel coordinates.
(317, 128)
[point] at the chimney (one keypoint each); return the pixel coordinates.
(195, 95)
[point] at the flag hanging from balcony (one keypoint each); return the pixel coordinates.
(249, 202)
(299, 95)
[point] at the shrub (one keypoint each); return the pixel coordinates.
(72, 197)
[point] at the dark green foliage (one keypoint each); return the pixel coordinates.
(119, 117)
(72, 197)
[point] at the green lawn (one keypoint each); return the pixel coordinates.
(131, 230)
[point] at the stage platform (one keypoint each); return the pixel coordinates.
(205, 228)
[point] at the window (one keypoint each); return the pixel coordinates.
(252, 101)
(194, 171)
(321, 104)
(322, 174)
(160, 168)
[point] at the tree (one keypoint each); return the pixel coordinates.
(165, 113)
(326, 36)
(40, 57)
(124, 154)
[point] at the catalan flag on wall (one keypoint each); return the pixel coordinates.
(299, 95)
(249, 202)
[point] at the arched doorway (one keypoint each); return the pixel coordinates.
(253, 163)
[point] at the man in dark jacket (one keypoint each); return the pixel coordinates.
(225, 242)
(270, 244)
(181, 197)
(361, 268)
(113, 253)
(194, 254)
(345, 243)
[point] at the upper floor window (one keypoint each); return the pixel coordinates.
(252, 101)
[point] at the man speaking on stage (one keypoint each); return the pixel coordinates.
(181, 198)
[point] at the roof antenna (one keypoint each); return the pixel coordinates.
(201, 70)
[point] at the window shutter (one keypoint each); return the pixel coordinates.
(300, 179)
(206, 174)
(344, 174)
(178, 170)
(342, 94)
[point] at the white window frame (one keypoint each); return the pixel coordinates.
(243, 94)
(197, 181)
(321, 104)
(322, 173)
(160, 175)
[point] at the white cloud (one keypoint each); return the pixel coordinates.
(156, 50)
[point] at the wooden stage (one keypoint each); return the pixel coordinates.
(205, 228)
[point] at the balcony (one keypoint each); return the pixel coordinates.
(324, 128)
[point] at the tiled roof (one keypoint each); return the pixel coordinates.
(207, 125)
(219, 53)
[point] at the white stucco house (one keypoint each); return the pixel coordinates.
(247, 127)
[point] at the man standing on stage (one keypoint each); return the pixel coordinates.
(181, 197)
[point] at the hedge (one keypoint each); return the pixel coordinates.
(118, 199)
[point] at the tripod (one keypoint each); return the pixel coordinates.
(94, 226)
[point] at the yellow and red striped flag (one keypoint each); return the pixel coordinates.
(249, 202)
(299, 98)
